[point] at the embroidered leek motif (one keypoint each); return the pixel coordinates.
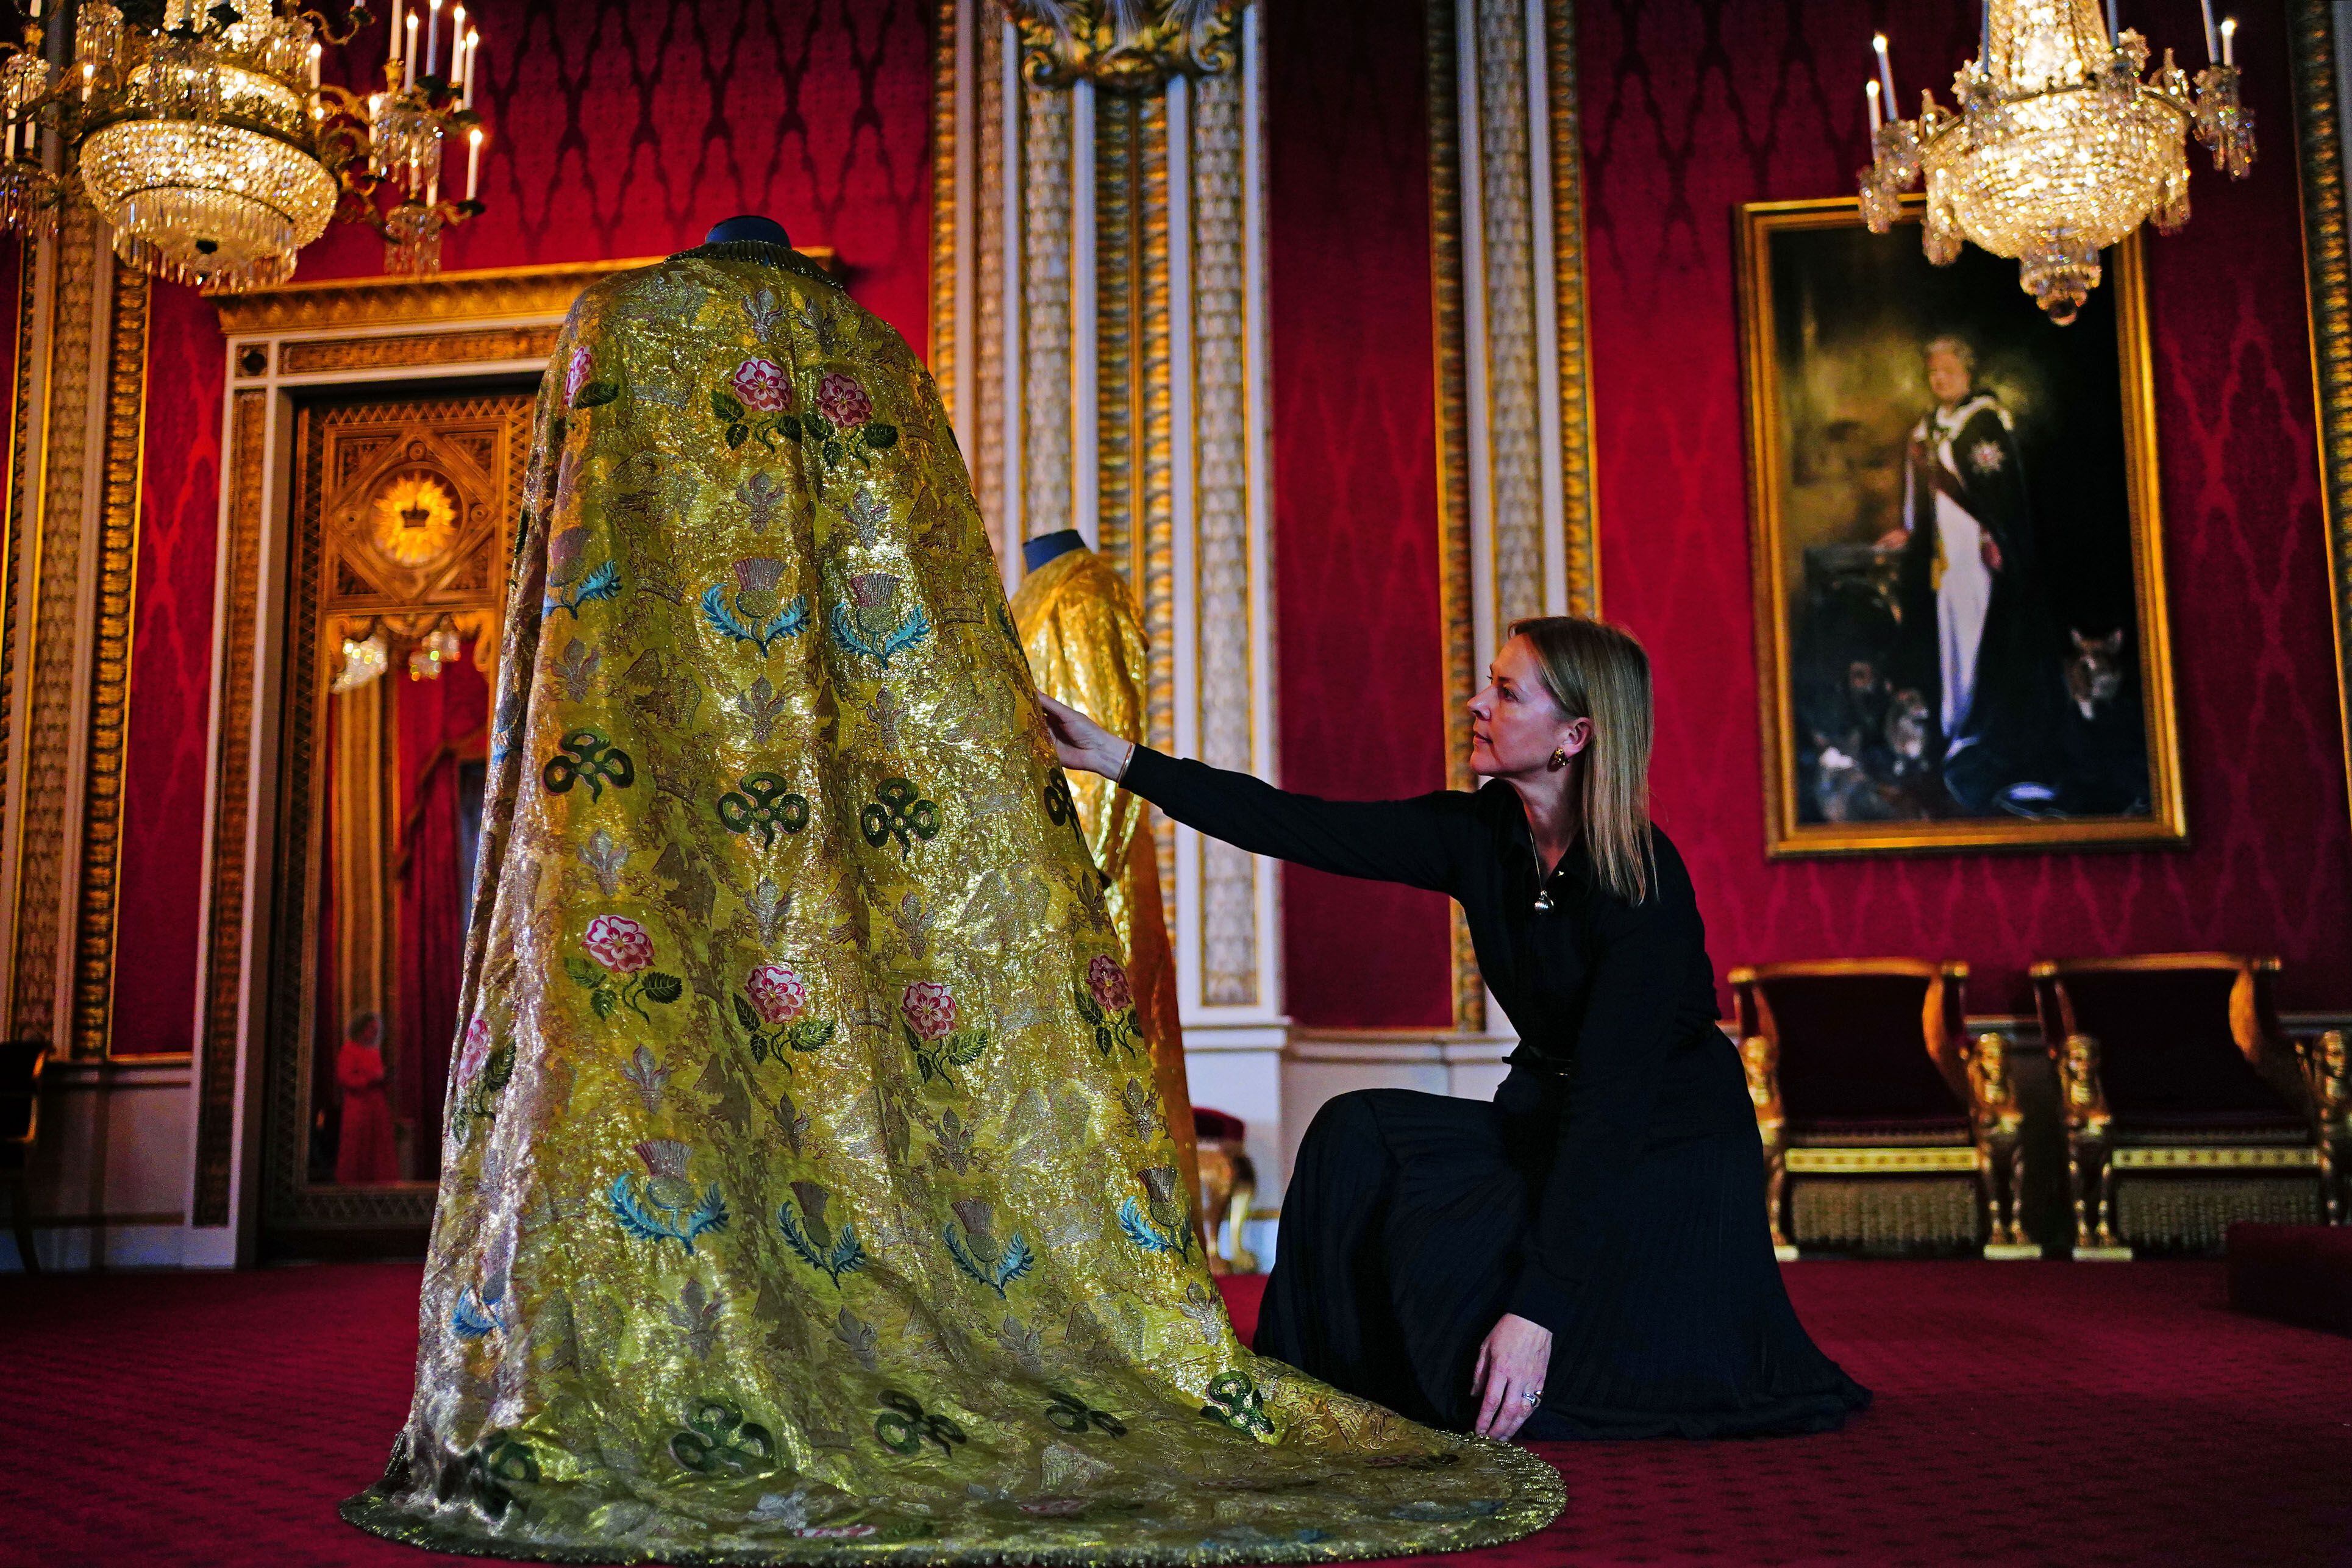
(976, 1251)
(830, 1254)
(658, 1210)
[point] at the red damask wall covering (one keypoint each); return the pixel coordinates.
(621, 130)
(1357, 647)
(1693, 106)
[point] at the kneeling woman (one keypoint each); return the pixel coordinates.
(1588, 1255)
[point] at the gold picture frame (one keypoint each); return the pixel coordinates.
(1835, 504)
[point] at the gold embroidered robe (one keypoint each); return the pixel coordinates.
(801, 1200)
(1084, 640)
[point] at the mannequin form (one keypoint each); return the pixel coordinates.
(746, 226)
(1046, 546)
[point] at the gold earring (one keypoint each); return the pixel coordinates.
(1558, 759)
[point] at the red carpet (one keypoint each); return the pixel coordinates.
(2074, 1414)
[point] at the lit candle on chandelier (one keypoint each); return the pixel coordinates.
(395, 26)
(89, 71)
(408, 56)
(2115, 33)
(474, 163)
(2212, 50)
(1885, 72)
(315, 50)
(456, 49)
(2230, 42)
(1877, 119)
(473, 63)
(433, 37)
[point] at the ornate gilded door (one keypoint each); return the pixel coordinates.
(403, 510)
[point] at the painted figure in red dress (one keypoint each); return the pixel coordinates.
(364, 1152)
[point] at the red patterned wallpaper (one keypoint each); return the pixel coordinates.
(156, 920)
(623, 128)
(1356, 640)
(1695, 106)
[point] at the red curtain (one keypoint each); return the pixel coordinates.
(438, 724)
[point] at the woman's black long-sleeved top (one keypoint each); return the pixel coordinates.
(1617, 998)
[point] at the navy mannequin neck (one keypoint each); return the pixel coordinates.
(1047, 546)
(746, 226)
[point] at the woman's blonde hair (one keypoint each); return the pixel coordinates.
(1593, 670)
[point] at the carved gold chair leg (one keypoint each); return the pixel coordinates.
(1238, 1259)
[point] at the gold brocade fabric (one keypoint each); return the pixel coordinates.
(1084, 637)
(795, 1207)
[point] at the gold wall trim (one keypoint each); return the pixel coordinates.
(120, 457)
(1582, 546)
(1880, 1162)
(945, 371)
(54, 583)
(2206, 1156)
(308, 356)
(1455, 612)
(15, 531)
(2327, 279)
(216, 1089)
(482, 294)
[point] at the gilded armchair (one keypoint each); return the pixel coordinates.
(1228, 1188)
(1883, 1125)
(2186, 1105)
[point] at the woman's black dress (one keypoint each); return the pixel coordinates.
(1614, 1192)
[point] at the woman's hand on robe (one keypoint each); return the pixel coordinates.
(1511, 1366)
(1084, 744)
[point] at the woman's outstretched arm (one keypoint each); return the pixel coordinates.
(1418, 841)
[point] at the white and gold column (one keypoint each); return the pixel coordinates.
(1099, 331)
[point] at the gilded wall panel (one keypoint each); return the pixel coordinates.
(117, 563)
(54, 587)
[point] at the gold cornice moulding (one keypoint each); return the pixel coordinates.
(1124, 45)
(485, 294)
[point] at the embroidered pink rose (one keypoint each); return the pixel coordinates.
(762, 385)
(1107, 982)
(842, 402)
(619, 943)
(928, 1010)
(476, 1051)
(575, 375)
(778, 994)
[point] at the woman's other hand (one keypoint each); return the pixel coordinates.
(1511, 1367)
(1081, 743)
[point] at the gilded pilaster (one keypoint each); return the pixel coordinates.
(120, 456)
(1045, 410)
(44, 828)
(1220, 524)
(225, 912)
(1514, 439)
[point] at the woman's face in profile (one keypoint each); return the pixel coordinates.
(1515, 726)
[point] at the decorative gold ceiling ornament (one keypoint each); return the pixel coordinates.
(2062, 146)
(205, 139)
(1124, 45)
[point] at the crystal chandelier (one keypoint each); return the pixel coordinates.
(2061, 145)
(205, 139)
